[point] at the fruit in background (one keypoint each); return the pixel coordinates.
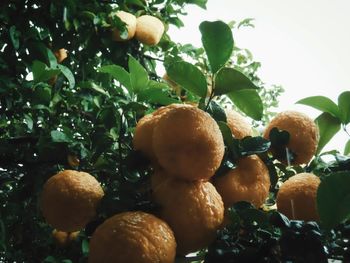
(130, 21)
(193, 210)
(296, 197)
(60, 54)
(149, 30)
(239, 127)
(69, 200)
(62, 239)
(303, 139)
(188, 143)
(132, 237)
(249, 181)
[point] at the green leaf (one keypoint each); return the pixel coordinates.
(344, 106)
(321, 103)
(85, 247)
(135, 2)
(188, 76)
(347, 148)
(42, 73)
(14, 35)
(51, 58)
(95, 87)
(246, 23)
(333, 199)
(216, 111)
(157, 96)
(68, 74)
(328, 126)
(218, 43)
(229, 79)
(138, 75)
(200, 3)
(119, 74)
(58, 136)
(248, 101)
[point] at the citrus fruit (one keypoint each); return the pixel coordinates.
(69, 200)
(303, 135)
(188, 143)
(193, 210)
(149, 30)
(62, 238)
(296, 197)
(132, 237)
(239, 127)
(130, 21)
(249, 182)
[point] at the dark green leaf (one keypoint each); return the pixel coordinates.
(226, 134)
(135, 2)
(68, 74)
(229, 80)
(51, 58)
(328, 126)
(118, 73)
(94, 86)
(218, 43)
(216, 111)
(347, 148)
(188, 76)
(248, 101)
(323, 104)
(58, 136)
(85, 247)
(41, 94)
(157, 96)
(333, 199)
(138, 75)
(344, 106)
(254, 145)
(14, 35)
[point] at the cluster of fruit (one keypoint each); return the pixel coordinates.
(186, 147)
(146, 29)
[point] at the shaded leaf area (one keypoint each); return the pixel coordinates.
(333, 197)
(256, 236)
(328, 126)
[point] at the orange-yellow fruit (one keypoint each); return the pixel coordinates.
(143, 136)
(239, 127)
(193, 210)
(130, 21)
(60, 54)
(303, 135)
(133, 237)
(296, 197)
(188, 144)
(249, 181)
(69, 200)
(62, 238)
(149, 30)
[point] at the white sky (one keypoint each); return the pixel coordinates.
(303, 45)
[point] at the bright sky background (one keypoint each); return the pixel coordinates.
(303, 45)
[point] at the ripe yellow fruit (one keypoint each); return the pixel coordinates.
(239, 127)
(149, 30)
(296, 197)
(143, 135)
(193, 210)
(69, 200)
(60, 54)
(303, 135)
(133, 237)
(249, 181)
(130, 21)
(188, 144)
(62, 238)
